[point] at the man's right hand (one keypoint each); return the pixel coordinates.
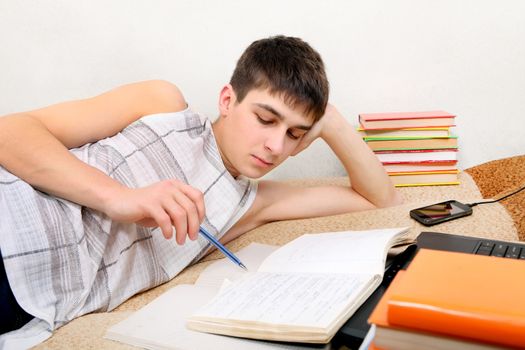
(163, 204)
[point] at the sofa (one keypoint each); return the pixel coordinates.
(503, 221)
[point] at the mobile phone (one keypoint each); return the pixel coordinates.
(440, 212)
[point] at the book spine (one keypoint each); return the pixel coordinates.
(403, 138)
(428, 184)
(419, 151)
(454, 171)
(386, 127)
(407, 117)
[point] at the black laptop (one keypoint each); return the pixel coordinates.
(355, 329)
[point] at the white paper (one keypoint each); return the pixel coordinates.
(161, 325)
(333, 252)
(312, 300)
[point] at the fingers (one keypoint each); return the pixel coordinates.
(186, 210)
(197, 197)
(165, 204)
(184, 216)
(163, 221)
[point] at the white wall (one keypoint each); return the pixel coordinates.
(466, 57)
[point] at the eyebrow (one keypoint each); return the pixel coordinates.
(280, 116)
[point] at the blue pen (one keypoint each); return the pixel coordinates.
(222, 248)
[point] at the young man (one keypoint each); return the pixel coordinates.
(90, 190)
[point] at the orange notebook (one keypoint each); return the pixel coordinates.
(390, 337)
(476, 297)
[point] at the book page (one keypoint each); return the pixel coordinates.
(310, 300)
(161, 325)
(334, 252)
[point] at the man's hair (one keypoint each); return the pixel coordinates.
(286, 66)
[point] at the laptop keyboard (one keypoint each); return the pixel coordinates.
(504, 250)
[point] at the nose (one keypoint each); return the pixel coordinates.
(275, 142)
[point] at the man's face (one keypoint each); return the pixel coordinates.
(259, 133)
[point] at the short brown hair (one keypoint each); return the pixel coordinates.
(287, 66)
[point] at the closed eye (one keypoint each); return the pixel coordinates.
(293, 133)
(294, 136)
(264, 121)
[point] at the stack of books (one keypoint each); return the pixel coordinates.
(416, 148)
(449, 300)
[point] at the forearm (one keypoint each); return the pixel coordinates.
(367, 175)
(46, 164)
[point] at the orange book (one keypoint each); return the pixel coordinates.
(374, 121)
(372, 346)
(420, 167)
(390, 337)
(465, 295)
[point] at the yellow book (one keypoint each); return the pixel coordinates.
(425, 178)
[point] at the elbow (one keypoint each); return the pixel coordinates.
(391, 200)
(13, 129)
(397, 199)
(5, 131)
(166, 94)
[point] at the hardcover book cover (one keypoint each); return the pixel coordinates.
(471, 296)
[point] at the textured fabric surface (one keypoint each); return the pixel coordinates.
(64, 260)
(494, 222)
(500, 177)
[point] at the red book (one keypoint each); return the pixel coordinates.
(420, 167)
(399, 120)
(417, 156)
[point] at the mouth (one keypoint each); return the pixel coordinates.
(261, 162)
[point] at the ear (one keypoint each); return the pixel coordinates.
(226, 99)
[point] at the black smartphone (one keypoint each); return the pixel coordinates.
(440, 212)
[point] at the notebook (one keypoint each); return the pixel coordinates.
(356, 328)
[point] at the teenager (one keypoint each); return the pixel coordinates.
(91, 191)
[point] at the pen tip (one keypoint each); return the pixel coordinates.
(244, 267)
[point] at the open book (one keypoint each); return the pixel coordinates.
(303, 291)
(162, 323)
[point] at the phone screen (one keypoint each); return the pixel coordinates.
(438, 211)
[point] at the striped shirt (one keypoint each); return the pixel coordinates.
(64, 260)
